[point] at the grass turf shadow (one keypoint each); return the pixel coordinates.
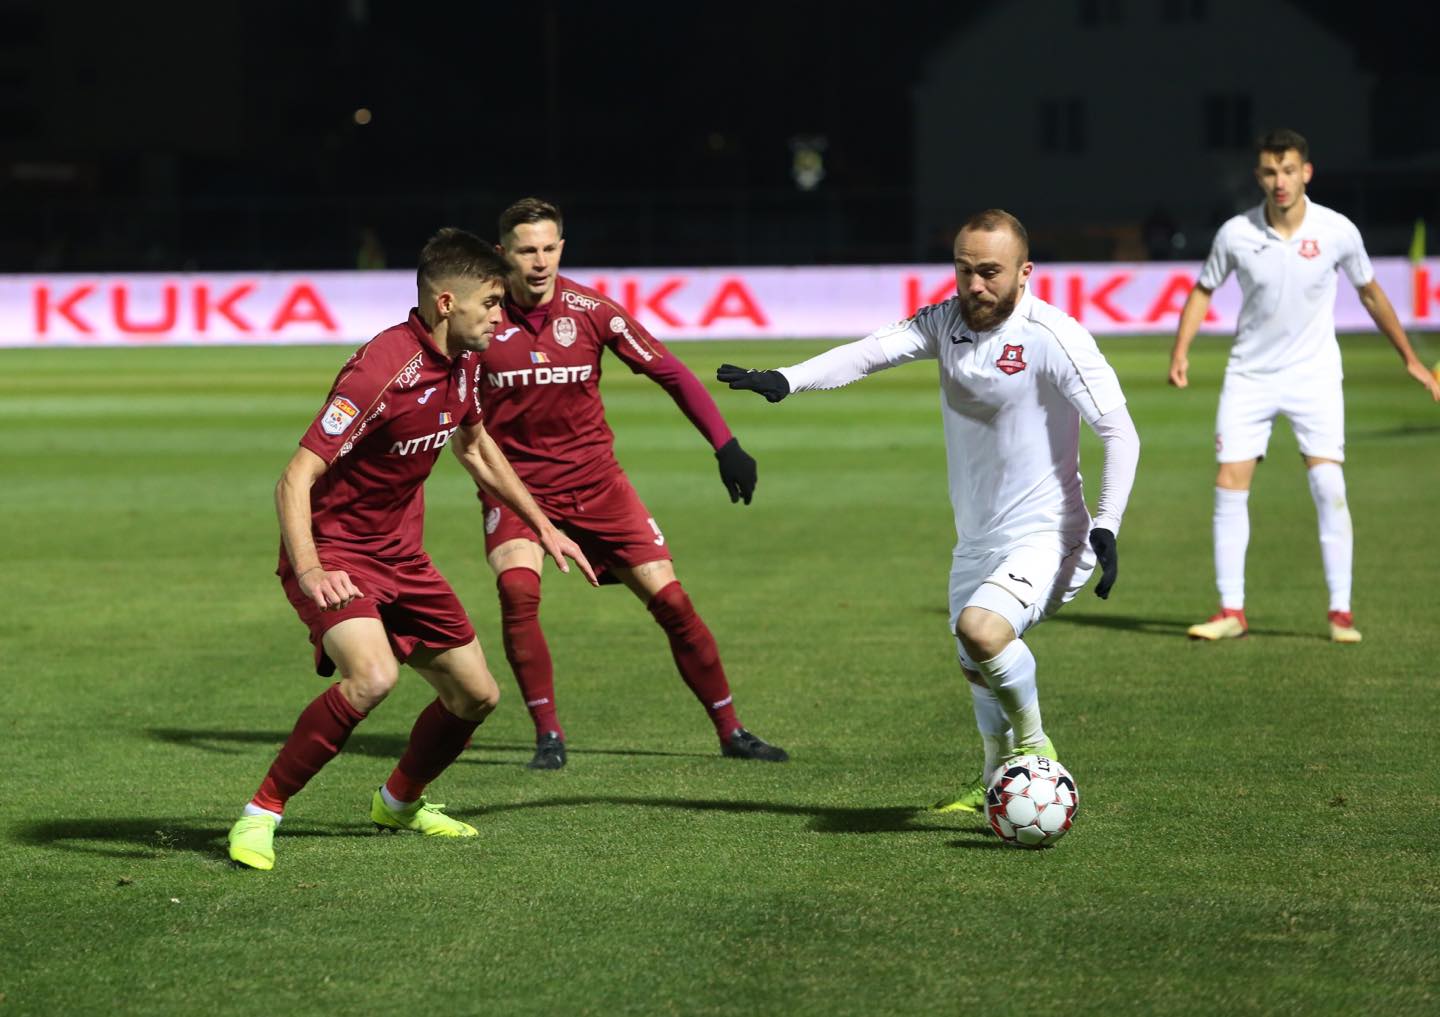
(155, 838)
(823, 818)
(1166, 627)
(384, 746)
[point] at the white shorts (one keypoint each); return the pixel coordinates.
(1314, 405)
(1024, 583)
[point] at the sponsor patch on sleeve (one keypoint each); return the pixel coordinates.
(338, 416)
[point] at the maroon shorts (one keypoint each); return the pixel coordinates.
(608, 520)
(410, 598)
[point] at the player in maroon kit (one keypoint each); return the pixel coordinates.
(352, 507)
(540, 387)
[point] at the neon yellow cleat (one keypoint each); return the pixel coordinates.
(1045, 748)
(972, 799)
(1342, 628)
(1228, 624)
(424, 818)
(252, 842)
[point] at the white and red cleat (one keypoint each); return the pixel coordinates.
(1342, 628)
(1228, 624)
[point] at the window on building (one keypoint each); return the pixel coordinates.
(1062, 125)
(1228, 121)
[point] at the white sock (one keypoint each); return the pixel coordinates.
(1337, 541)
(1011, 675)
(251, 809)
(1232, 537)
(995, 730)
(392, 803)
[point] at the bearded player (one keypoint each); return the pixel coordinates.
(1016, 377)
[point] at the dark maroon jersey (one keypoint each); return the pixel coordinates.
(394, 406)
(541, 388)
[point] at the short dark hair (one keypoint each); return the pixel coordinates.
(531, 210)
(994, 219)
(458, 254)
(1280, 141)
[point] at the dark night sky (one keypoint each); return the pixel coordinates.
(239, 102)
(659, 95)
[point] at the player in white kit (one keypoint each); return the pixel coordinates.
(1016, 376)
(1285, 362)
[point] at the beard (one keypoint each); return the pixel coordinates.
(982, 316)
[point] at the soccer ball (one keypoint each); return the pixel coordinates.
(1031, 801)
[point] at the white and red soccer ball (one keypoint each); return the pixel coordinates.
(1031, 801)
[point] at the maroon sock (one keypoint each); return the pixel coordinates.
(525, 646)
(319, 735)
(696, 655)
(436, 741)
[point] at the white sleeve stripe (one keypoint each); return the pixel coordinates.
(1094, 402)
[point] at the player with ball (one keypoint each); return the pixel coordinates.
(1016, 377)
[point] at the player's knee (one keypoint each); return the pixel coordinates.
(475, 702)
(674, 612)
(519, 594)
(367, 683)
(984, 634)
(671, 606)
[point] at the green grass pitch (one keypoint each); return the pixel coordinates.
(1259, 819)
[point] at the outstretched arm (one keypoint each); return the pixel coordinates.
(1383, 314)
(834, 368)
(493, 473)
(1192, 315)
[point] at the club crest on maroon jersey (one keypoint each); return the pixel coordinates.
(1309, 248)
(1012, 359)
(564, 331)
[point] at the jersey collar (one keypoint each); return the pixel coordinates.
(1263, 221)
(423, 335)
(518, 315)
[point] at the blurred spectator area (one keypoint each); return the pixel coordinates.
(57, 220)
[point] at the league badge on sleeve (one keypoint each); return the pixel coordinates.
(1012, 359)
(338, 416)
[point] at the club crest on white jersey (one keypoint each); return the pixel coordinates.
(1012, 359)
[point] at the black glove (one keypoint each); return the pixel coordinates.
(771, 384)
(737, 471)
(1102, 541)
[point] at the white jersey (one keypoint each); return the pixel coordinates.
(1287, 310)
(1011, 399)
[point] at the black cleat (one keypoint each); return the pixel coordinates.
(549, 752)
(744, 745)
